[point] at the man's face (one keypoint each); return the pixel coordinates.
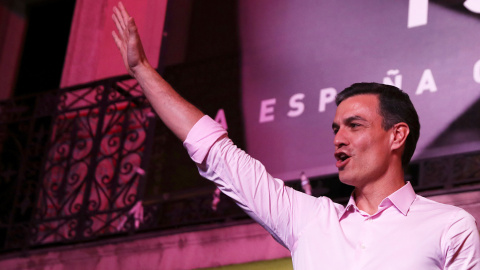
(362, 146)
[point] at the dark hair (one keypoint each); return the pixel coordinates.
(395, 107)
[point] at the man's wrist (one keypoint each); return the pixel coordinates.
(142, 68)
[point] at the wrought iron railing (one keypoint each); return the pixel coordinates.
(72, 162)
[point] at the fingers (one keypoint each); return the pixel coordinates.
(123, 24)
(119, 26)
(120, 39)
(118, 19)
(127, 39)
(123, 11)
(121, 15)
(117, 40)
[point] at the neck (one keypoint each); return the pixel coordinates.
(369, 196)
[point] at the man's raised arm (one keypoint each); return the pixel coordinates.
(178, 114)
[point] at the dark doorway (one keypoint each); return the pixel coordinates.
(48, 29)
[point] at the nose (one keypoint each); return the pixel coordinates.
(340, 139)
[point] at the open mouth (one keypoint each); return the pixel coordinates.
(342, 159)
(343, 156)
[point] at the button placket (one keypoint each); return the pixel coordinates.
(367, 231)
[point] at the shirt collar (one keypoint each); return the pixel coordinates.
(351, 207)
(402, 199)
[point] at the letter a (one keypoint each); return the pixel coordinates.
(426, 83)
(221, 119)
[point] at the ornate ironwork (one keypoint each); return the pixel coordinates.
(91, 176)
(73, 162)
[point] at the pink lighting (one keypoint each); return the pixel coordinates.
(91, 53)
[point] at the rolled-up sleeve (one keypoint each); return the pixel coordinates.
(201, 137)
(243, 178)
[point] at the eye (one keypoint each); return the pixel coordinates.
(335, 131)
(354, 125)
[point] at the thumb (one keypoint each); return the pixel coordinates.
(132, 27)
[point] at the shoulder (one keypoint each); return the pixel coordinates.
(440, 215)
(456, 227)
(452, 218)
(424, 204)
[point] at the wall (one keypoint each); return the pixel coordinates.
(92, 54)
(12, 31)
(191, 250)
(207, 248)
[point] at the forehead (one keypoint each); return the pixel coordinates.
(365, 106)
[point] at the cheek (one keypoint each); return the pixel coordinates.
(365, 144)
(374, 147)
(380, 148)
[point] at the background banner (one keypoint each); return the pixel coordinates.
(296, 55)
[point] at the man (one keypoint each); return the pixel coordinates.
(385, 225)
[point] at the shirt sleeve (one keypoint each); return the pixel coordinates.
(201, 137)
(266, 199)
(463, 250)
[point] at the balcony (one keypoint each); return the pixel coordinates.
(91, 163)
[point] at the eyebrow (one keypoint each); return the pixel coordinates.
(348, 120)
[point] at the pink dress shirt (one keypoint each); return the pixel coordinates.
(407, 232)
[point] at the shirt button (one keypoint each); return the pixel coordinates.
(362, 246)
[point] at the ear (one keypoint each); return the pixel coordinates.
(400, 132)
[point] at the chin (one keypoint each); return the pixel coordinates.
(346, 179)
